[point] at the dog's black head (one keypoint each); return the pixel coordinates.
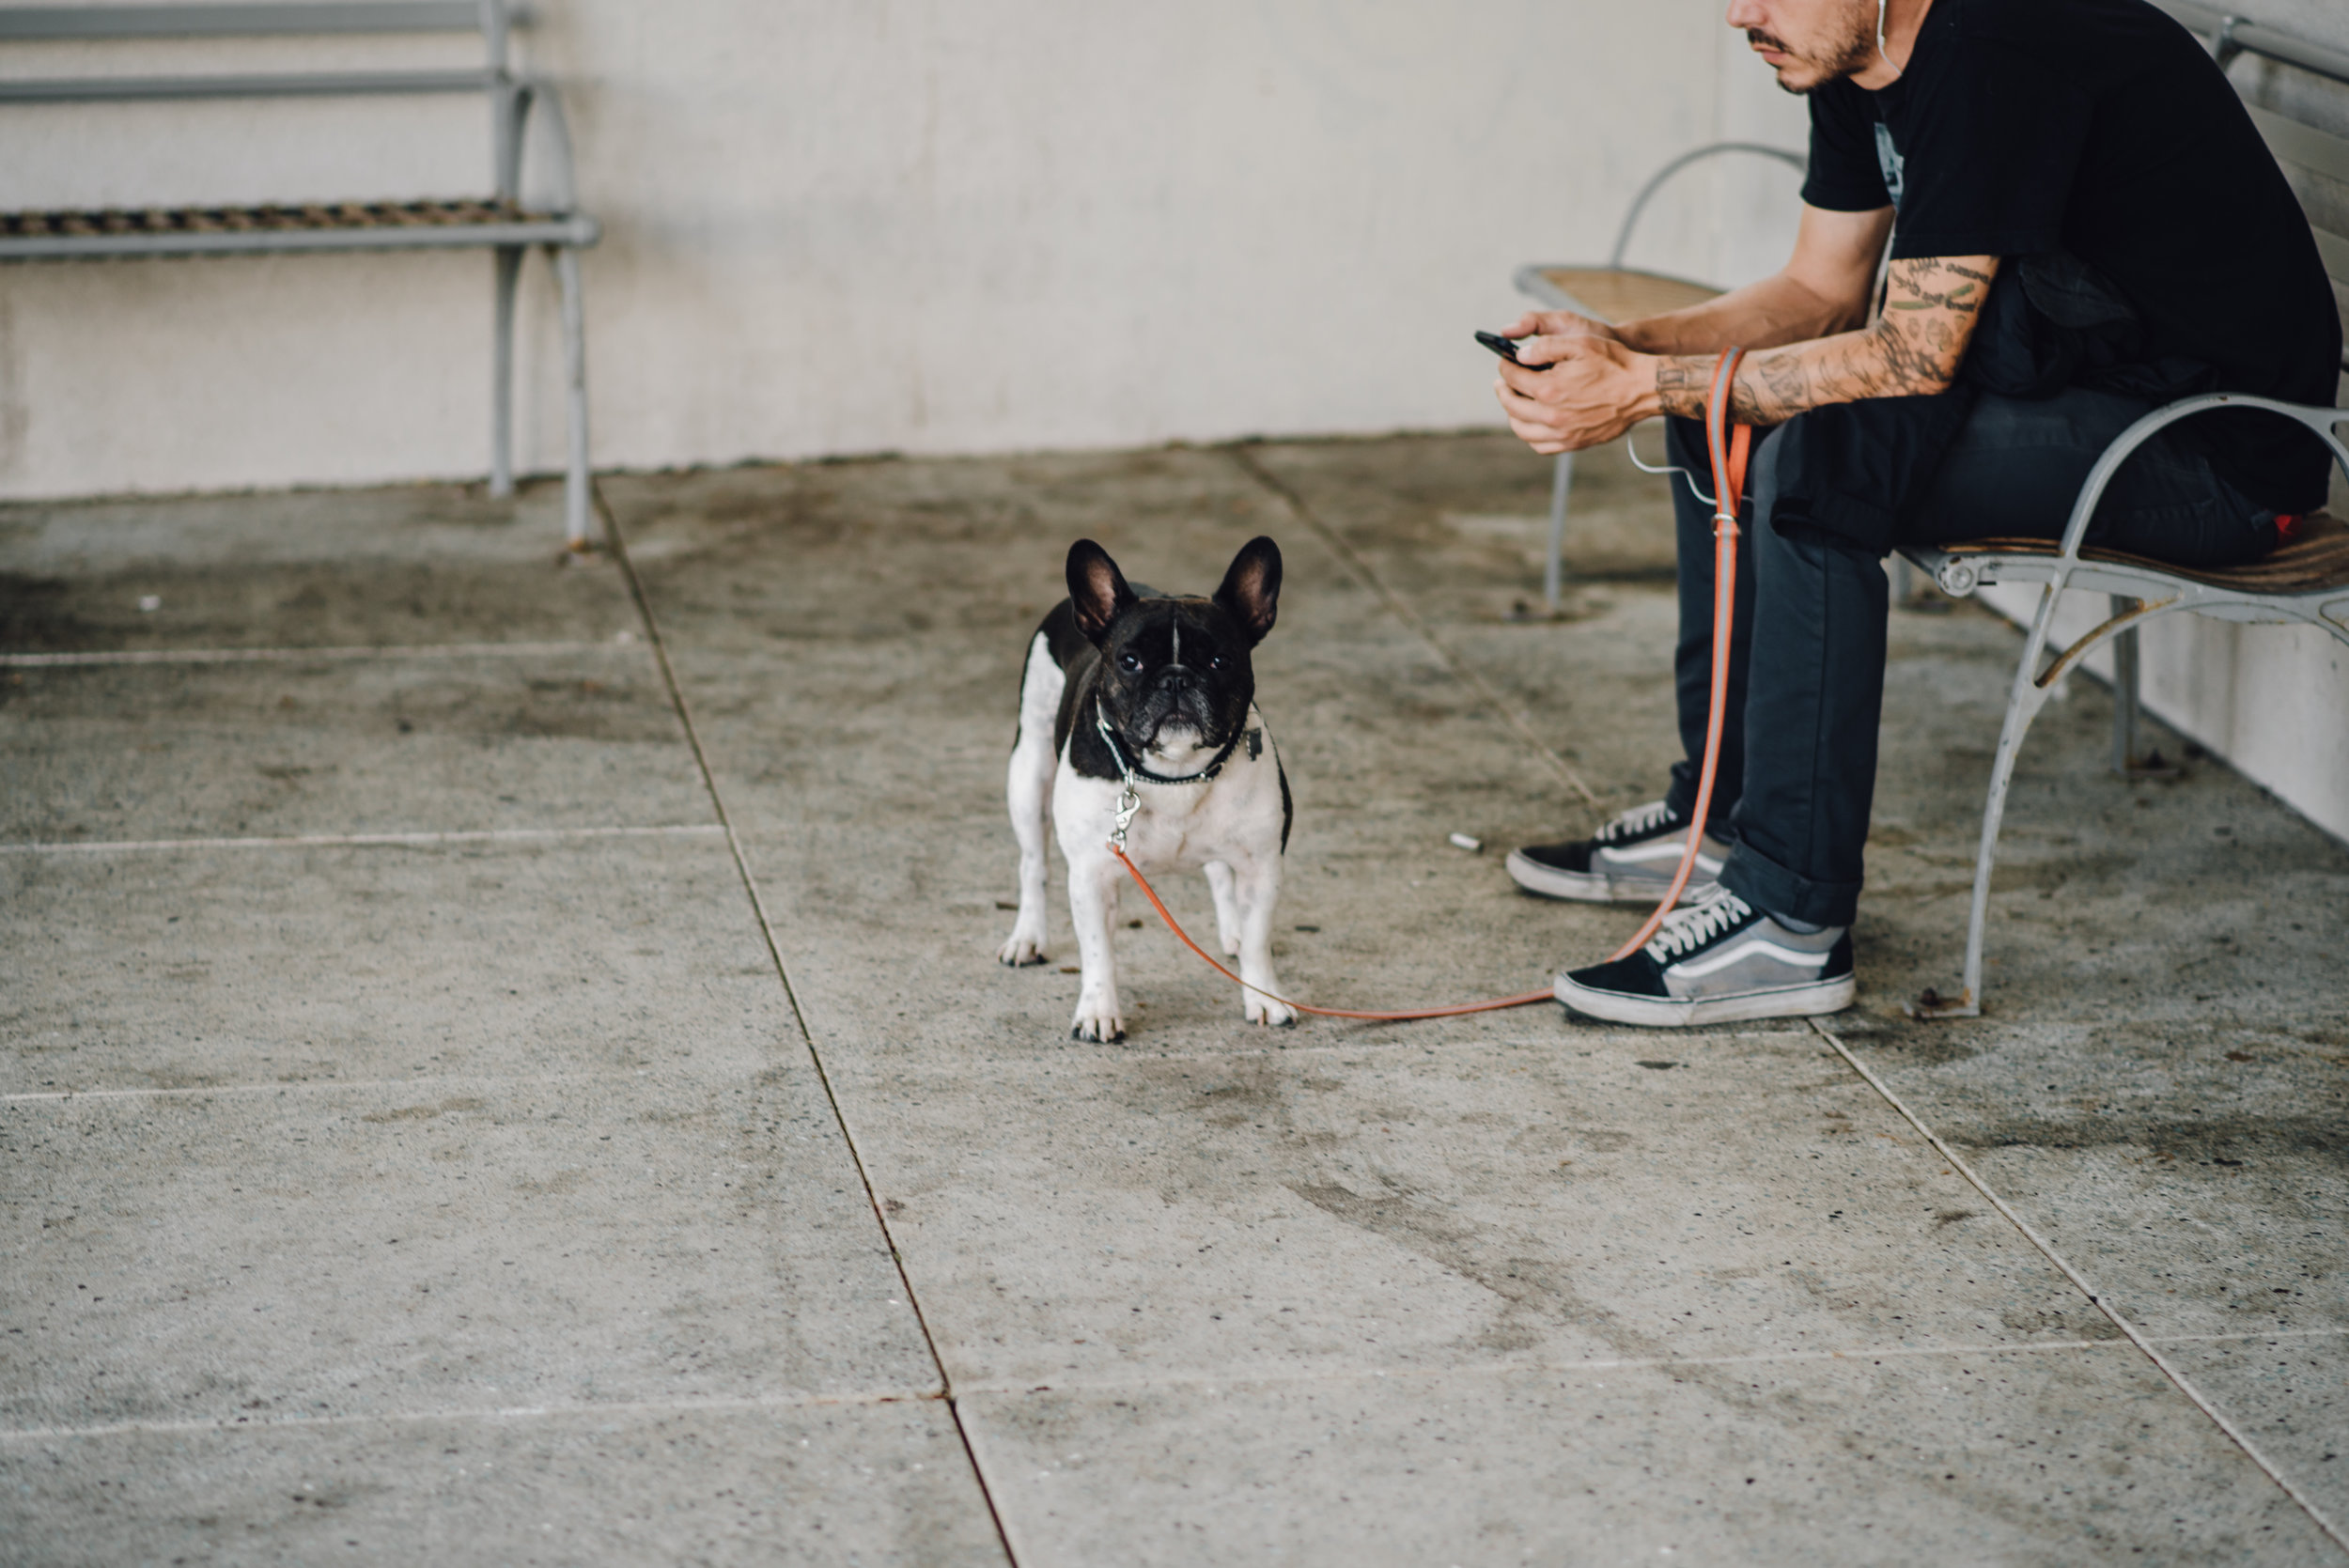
(1176, 676)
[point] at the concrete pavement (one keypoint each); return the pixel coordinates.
(504, 1062)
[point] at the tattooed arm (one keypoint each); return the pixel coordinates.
(1596, 388)
(1913, 350)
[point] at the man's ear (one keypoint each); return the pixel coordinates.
(1250, 594)
(1096, 589)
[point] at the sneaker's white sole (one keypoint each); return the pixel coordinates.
(1589, 887)
(1809, 1000)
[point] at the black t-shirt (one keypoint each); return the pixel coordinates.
(2102, 127)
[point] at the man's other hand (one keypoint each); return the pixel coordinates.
(1592, 390)
(1558, 323)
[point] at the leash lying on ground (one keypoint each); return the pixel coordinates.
(1729, 446)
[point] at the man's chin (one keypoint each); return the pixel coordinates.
(1800, 78)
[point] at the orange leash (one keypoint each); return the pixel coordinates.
(1184, 937)
(1729, 447)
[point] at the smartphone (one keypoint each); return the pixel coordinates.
(1506, 349)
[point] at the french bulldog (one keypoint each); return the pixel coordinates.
(1123, 686)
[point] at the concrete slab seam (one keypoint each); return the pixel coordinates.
(308, 1085)
(360, 840)
(2096, 1299)
(501, 1413)
(1628, 1363)
(625, 642)
(1402, 611)
(617, 543)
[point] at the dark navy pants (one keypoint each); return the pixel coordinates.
(1806, 690)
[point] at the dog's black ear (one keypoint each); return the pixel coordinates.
(1096, 589)
(1251, 588)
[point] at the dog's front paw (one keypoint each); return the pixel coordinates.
(1273, 1014)
(1026, 947)
(1097, 1022)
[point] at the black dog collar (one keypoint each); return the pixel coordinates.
(1131, 773)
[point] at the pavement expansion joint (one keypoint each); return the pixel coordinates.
(321, 1085)
(1463, 670)
(491, 1413)
(2102, 1302)
(757, 899)
(625, 642)
(364, 841)
(1282, 1377)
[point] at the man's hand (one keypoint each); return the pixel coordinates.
(1592, 390)
(1557, 323)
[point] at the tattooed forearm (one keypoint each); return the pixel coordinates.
(1913, 348)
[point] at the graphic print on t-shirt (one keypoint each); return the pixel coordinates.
(1889, 158)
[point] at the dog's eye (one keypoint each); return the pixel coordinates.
(1129, 662)
(1215, 662)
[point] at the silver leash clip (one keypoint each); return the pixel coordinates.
(1129, 803)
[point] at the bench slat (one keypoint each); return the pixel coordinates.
(321, 225)
(132, 89)
(262, 21)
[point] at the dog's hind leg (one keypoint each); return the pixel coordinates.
(1028, 791)
(1227, 907)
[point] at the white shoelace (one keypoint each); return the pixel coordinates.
(1686, 930)
(1637, 820)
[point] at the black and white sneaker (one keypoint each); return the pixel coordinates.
(1630, 861)
(1718, 962)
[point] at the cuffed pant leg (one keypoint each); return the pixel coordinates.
(1692, 656)
(1815, 698)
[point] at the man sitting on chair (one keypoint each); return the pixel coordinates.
(2089, 226)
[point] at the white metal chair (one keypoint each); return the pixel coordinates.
(1612, 292)
(2304, 581)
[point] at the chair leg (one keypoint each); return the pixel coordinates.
(1554, 569)
(507, 263)
(2022, 706)
(2125, 700)
(575, 494)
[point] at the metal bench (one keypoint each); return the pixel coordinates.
(2304, 581)
(498, 222)
(1610, 291)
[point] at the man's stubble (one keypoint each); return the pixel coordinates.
(1840, 57)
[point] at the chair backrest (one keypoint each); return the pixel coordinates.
(1794, 160)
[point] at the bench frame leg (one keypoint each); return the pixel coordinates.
(577, 502)
(1554, 566)
(507, 263)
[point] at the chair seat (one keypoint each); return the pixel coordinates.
(2314, 558)
(1611, 294)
